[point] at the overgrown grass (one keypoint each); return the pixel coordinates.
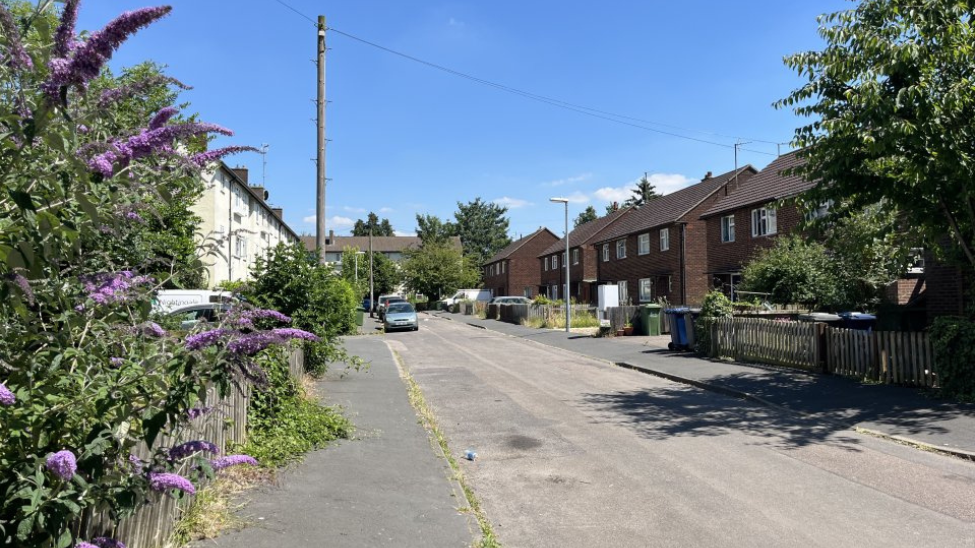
(213, 510)
(488, 539)
(557, 321)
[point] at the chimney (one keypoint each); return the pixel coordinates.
(259, 190)
(331, 238)
(278, 212)
(241, 172)
(708, 176)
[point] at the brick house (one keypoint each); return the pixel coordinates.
(747, 219)
(583, 267)
(514, 269)
(660, 250)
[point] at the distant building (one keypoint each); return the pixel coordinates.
(393, 247)
(241, 223)
(514, 269)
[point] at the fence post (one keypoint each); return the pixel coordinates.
(714, 339)
(819, 346)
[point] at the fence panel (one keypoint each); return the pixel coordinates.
(153, 525)
(792, 344)
(890, 357)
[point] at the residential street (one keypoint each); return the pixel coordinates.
(577, 452)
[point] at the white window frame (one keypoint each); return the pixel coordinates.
(555, 262)
(764, 222)
(546, 264)
(727, 229)
(624, 293)
(605, 253)
(646, 290)
(575, 256)
(502, 267)
(664, 239)
(643, 244)
(621, 248)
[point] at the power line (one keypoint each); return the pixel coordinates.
(581, 109)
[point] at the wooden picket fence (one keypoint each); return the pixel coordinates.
(890, 357)
(153, 525)
(792, 344)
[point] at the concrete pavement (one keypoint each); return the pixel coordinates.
(893, 411)
(386, 487)
(577, 452)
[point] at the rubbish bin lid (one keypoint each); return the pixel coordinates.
(678, 310)
(653, 306)
(856, 316)
(818, 317)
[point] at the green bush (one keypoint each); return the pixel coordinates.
(954, 356)
(716, 305)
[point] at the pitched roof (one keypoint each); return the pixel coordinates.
(380, 244)
(516, 245)
(770, 184)
(586, 232)
(670, 208)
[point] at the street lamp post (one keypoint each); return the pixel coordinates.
(568, 306)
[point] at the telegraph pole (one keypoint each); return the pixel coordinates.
(372, 296)
(320, 209)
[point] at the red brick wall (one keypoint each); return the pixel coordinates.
(498, 283)
(656, 265)
(576, 272)
(522, 268)
(730, 256)
(901, 291)
(945, 289)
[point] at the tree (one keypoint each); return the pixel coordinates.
(438, 269)
(587, 216)
(432, 230)
(483, 229)
(891, 107)
(793, 271)
(643, 193)
(383, 228)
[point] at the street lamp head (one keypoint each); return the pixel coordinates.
(559, 200)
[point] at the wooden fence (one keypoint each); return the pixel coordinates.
(153, 525)
(619, 316)
(890, 357)
(792, 344)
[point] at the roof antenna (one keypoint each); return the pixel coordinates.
(738, 144)
(264, 148)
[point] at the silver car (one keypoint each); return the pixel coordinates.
(400, 316)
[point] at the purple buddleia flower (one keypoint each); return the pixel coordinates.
(209, 156)
(136, 463)
(168, 482)
(21, 282)
(199, 341)
(105, 542)
(88, 58)
(64, 37)
(83, 544)
(17, 57)
(62, 464)
(148, 142)
(186, 449)
(7, 398)
(198, 412)
(153, 328)
(135, 217)
(83, 129)
(247, 317)
(116, 362)
(292, 333)
(163, 116)
(252, 343)
(232, 460)
(137, 88)
(108, 287)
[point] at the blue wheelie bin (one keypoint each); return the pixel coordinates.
(858, 320)
(679, 319)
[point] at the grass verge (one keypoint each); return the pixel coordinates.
(212, 510)
(429, 420)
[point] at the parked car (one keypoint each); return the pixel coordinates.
(386, 300)
(483, 295)
(400, 315)
(511, 300)
(193, 314)
(169, 300)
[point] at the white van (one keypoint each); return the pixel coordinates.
(483, 295)
(171, 300)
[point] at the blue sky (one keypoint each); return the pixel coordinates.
(407, 139)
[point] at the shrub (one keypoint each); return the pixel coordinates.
(954, 356)
(716, 305)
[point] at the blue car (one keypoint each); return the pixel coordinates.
(400, 316)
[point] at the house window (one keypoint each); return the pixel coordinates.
(917, 261)
(564, 261)
(728, 229)
(546, 264)
(502, 267)
(605, 253)
(624, 294)
(646, 290)
(553, 292)
(575, 256)
(664, 239)
(528, 292)
(620, 249)
(555, 262)
(820, 211)
(643, 244)
(763, 222)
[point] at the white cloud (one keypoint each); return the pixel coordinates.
(332, 222)
(577, 198)
(664, 183)
(309, 220)
(512, 203)
(354, 209)
(569, 180)
(401, 233)
(385, 210)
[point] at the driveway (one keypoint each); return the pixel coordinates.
(577, 452)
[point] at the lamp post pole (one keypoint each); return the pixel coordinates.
(568, 305)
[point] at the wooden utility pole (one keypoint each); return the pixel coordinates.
(320, 209)
(372, 296)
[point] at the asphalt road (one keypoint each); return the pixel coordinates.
(577, 452)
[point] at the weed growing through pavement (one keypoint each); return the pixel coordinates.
(429, 422)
